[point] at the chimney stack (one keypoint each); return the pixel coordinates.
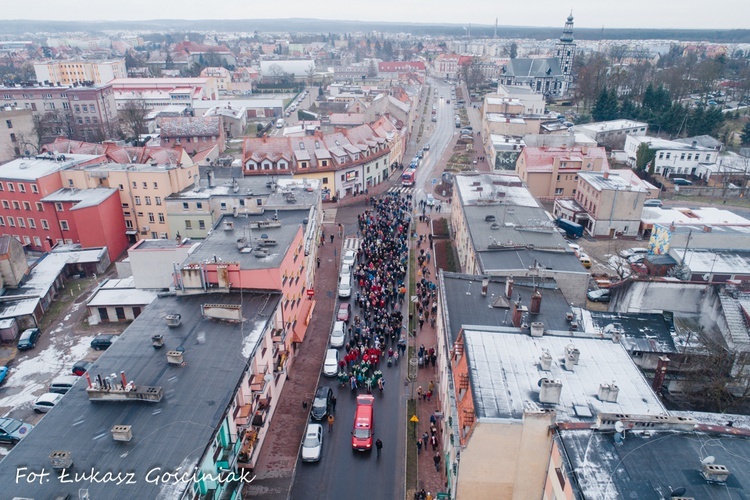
(605, 174)
(550, 391)
(509, 288)
(536, 302)
(661, 373)
(485, 285)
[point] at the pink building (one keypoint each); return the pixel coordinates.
(552, 172)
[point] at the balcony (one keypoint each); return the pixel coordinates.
(280, 361)
(278, 335)
(248, 446)
(261, 412)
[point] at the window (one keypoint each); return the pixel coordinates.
(12, 137)
(135, 185)
(2, 221)
(188, 225)
(156, 185)
(11, 221)
(34, 188)
(59, 207)
(158, 200)
(682, 156)
(11, 187)
(9, 123)
(37, 241)
(139, 214)
(137, 200)
(145, 185)
(6, 204)
(223, 205)
(559, 191)
(39, 207)
(258, 201)
(186, 206)
(21, 222)
(16, 205)
(22, 188)
(668, 155)
(199, 205)
(64, 225)
(2, 187)
(45, 224)
(161, 218)
(128, 224)
(151, 217)
(27, 206)
(148, 200)
(26, 240)
(201, 224)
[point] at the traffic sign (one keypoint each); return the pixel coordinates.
(310, 292)
(434, 181)
(414, 419)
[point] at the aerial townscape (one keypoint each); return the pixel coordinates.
(287, 257)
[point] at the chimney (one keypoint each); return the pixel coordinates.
(661, 373)
(485, 285)
(608, 392)
(707, 229)
(536, 302)
(537, 329)
(509, 288)
(605, 174)
(545, 360)
(210, 176)
(550, 391)
(695, 144)
(517, 314)
(571, 357)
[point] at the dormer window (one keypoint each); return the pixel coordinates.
(302, 146)
(317, 145)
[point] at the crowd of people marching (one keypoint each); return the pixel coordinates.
(376, 335)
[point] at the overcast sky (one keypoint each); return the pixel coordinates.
(700, 14)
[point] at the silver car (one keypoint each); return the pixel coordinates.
(313, 443)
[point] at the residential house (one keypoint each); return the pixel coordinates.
(672, 158)
(221, 75)
(159, 92)
(233, 120)
(612, 134)
(193, 133)
(552, 172)
(70, 72)
(117, 300)
(151, 262)
(500, 229)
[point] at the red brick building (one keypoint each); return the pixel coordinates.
(193, 133)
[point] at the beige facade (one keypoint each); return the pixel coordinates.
(13, 264)
(142, 188)
(16, 132)
(613, 205)
(552, 172)
(73, 72)
(508, 124)
(506, 459)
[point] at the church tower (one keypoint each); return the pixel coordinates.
(565, 52)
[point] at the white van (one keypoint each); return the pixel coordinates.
(338, 334)
(62, 385)
(280, 123)
(345, 286)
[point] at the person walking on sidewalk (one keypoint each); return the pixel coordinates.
(419, 446)
(425, 440)
(330, 422)
(436, 459)
(318, 262)
(379, 446)
(333, 403)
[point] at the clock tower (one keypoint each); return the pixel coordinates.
(565, 52)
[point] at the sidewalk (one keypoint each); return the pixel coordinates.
(428, 478)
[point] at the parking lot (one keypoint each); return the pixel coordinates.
(65, 339)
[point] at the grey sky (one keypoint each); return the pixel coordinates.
(716, 14)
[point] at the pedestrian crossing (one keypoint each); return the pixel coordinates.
(352, 244)
(401, 190)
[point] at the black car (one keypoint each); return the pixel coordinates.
(322, 403)
(28, 339)
(81, 367)
(102, 341)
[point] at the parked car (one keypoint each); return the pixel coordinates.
(426, 147)
(321, 405)
(653, 203)
(430, 200)
(81, 367)
(626, 254)
(28, 339)
(12, 430)
(345, 310)
(681, 182)
(598, 295)
(102, 341)
(338, 334)
(637, 258)
(585, 260)
(47, 401)
(331, 363)
(3, 373)
(312, 446)
(420, 154)
(348, 258)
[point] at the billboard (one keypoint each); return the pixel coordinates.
(506, 160)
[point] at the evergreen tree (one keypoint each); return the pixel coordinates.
(606, 106)
(745, 136)
(628, 111)
(644, 156)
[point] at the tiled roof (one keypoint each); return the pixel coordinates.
(191, 126)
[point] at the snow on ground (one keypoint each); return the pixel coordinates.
(32, 371)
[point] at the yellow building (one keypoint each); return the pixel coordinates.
(72, 72)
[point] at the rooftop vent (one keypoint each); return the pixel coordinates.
(549, 391)
(61, 459)
(122, 433)
(546, 360)
(714, 473)
(537, 329)
(608, 392)
(228, 225)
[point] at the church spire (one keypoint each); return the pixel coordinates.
(567, 34)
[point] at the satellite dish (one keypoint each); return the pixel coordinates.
(679, 492)
(619, 438)
(264, 236)
(708, 460)
(619, 427)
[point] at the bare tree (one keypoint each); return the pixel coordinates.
(133, 118)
